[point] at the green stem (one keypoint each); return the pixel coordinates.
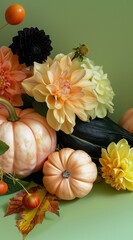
(18, 182)
(13, 178)
(4, 26)
(12, 113)
(1, 174)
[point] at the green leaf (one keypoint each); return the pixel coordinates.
(41, 108)
(14, 187)
(3, 147)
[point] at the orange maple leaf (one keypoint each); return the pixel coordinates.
(28, 218)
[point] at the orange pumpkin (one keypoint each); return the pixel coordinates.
(69, 174)
(29, 137)
(126, 121)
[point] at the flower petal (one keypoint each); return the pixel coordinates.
(50, 77)
(75, 65)
(52, 121)
(88, 74)
(78, 111)
(89, 101)
(70, 115)
(129, 185)
(87, 85)
(54, 72)
(40, 92)
(76, 96)
(52, 88)
(100, 111)
(65, 63)
(78, 104)
(67, 127)
(77, 76)
(58, 57)
(14, 88)
(59, 115)
(121, 143)
(17, 75)
(50, 100)
(7, 66)
(129, 176)
(110, 148)
(42, 69)
(38, 77)
(28, 87)
(16, 100)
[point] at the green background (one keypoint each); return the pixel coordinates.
(106, 26)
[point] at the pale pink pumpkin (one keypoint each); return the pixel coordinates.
(69, 174)
(30, 141)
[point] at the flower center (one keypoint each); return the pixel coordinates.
(36, 50)
(4, 83)
(1, 82)
(65, 87)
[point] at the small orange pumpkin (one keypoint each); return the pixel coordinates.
(69, 174)
(29, 137)
(126, 121)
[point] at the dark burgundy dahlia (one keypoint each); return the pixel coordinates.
(31, 45)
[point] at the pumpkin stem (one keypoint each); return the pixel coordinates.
(66, 174)
(12, 113)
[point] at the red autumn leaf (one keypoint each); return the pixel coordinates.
(28, 218)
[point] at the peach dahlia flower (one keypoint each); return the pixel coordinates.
(65, 88)
(11, 75)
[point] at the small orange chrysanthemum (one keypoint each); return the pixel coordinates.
(11, 76)
(66, 89)
(117, 165)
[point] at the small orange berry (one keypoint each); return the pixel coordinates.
(3, 187)
(15, 14)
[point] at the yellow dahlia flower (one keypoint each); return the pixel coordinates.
(103, 90)
(117, 165)
(65, 88)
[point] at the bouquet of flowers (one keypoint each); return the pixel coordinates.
(54, 126)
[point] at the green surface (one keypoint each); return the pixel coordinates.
(106, 26)
(104, 214)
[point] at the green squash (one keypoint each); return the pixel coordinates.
(94, 135)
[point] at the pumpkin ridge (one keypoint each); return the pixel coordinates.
(77, 179)
(13, 165)
(35, 141)
(75, 167)
(45, 126)
(61, 161)
(57, 169)
(68, 159)
(3, 122)
(0, 126)
(25, 113)
(58, 186)
(70, 186)
(78, 165)
(54, 165)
